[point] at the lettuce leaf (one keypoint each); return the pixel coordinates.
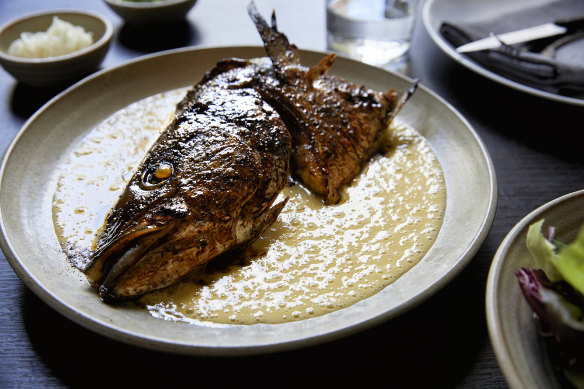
(557, 318)
(554, 290)
(559, 261)
(543, 251)
(570, 262)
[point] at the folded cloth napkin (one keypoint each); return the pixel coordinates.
(554, 64)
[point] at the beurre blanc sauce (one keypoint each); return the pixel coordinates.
(313, 260)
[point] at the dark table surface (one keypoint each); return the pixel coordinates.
(444, 342)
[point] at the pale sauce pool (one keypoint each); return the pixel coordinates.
(313, 260)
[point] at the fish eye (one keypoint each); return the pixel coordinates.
(155, 176)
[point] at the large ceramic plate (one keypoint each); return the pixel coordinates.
(519, 349)
(29, 177)
(435, 12)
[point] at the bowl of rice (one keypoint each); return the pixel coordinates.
(56, 47)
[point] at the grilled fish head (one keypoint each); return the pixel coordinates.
(206, 186)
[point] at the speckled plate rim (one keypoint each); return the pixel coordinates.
(433, 14)
(518, 347)
(28, 180)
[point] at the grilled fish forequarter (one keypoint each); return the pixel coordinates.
(336, 125)
(207, 185)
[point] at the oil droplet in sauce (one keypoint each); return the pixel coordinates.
(313, 260)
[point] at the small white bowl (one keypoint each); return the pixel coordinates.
(144, 12)
(55, 70)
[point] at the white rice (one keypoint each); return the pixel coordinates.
(61, 38)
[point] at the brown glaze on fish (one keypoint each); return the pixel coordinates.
(336, 125)
(209, 182)
(205, 187)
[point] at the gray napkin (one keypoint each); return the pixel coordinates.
(554, 64)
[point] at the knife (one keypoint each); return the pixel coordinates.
(558, 27)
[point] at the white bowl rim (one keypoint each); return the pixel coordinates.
(106, 37)
(145, 4)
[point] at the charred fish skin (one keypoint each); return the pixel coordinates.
(336, 125)
(207, 186)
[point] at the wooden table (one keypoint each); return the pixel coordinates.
(442, 343)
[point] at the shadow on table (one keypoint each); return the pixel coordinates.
(433, 345)
(158, 36)
(27, 99)
(545, 125)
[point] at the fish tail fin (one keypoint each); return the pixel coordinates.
(279, 49)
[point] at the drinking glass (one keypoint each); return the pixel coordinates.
(377, 32)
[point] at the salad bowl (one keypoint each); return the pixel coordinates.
(525, 357)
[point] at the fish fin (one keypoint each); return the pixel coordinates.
(402, 99)
(320, 68)
(279, 49)
(274, 23)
